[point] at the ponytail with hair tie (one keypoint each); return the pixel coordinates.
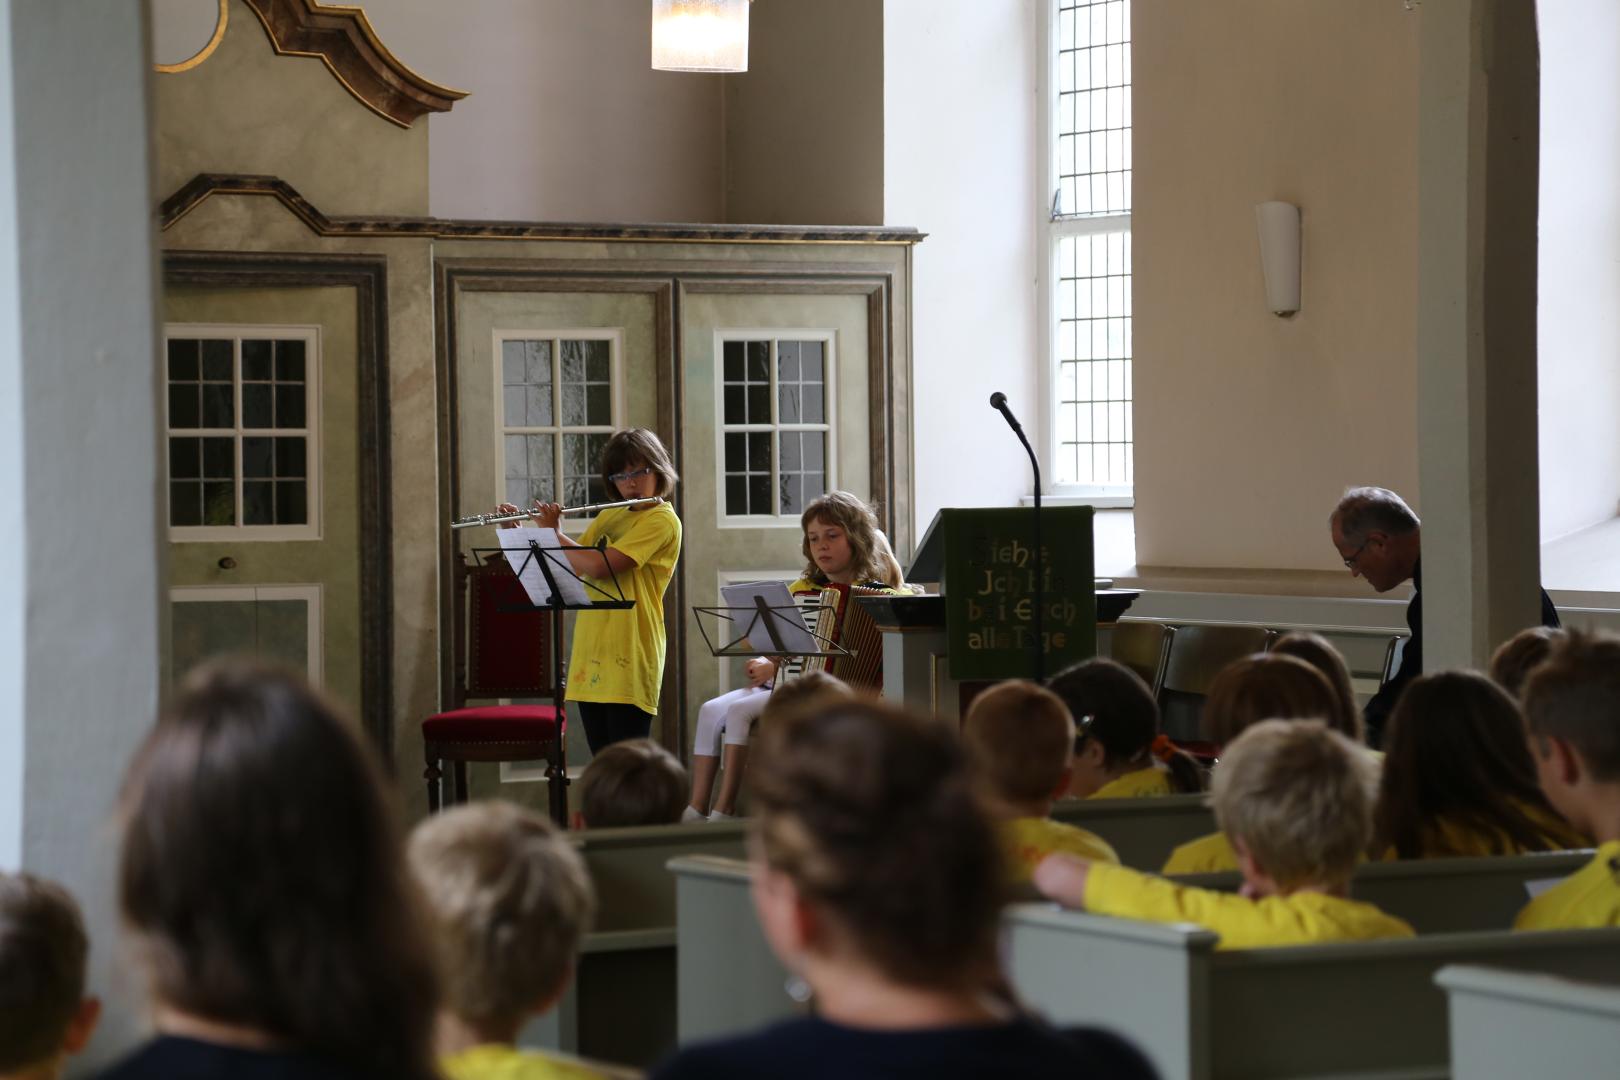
(1162, 748)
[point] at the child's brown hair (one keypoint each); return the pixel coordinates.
(1318, 652)
(1519, 655)
(1020, 739)
(634, 782)
(631, 449)
(1265, 686)
(1298, 797)
(871, 557)
(1575, 696)
(509, 900)
(1455, 755)
(1111, 703)
(43, 948)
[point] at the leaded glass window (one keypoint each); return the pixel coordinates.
(775, 411)
(558, 398)
(242, 437)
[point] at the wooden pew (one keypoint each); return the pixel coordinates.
(727, 979)
(1508, 1024)
(1443, 895)
(621, 1006)
(1142, 831)
(1356, 1009)
(1359, 1008)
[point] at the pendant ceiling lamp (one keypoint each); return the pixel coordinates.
(700, 35)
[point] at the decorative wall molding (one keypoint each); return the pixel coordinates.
(205, 185)
(342, 38)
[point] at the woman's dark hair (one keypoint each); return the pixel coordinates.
(1519, 655)
(1455, 753)
(1318, 652)
(1111, 703)
(262, 875)
(871, 813)
(633, 448)
(1267, 686)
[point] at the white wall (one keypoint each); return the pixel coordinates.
(959, 163)
(81, 277)
(1579, 312)
(13, 488)
(565, 119)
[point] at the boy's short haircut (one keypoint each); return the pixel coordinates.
(1020, 740)
(43, 948)
(508, 899)
(1575, 696)
(634, 782)
(1519, 655)
(1299, 797)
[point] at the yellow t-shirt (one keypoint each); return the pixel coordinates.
(1139, 784)
(1028, 840)
(1206, 855)
(1587, 898)
(619, 655)
(497, 1061)
(1303, 918)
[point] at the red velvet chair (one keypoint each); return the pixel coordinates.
(503, 650)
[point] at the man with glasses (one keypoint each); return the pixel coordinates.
(1380, 539)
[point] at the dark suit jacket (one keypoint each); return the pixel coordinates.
(1383, 703)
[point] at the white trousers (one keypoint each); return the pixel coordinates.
(730, 715)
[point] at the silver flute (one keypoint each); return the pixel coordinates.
(522, 515)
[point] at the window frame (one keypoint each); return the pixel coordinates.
(828, 338)
(1050, 232)
(314, 372)
(614, 336)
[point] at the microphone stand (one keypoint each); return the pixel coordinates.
(998, 401)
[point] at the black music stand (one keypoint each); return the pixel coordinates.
(549, 561)
(761, 614)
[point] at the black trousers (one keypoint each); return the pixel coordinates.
(608, 722)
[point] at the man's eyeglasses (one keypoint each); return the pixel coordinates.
(636, 474)
(1350, 559)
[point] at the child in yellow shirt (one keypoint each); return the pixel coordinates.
(508, 901)
(1295, 800)
(1119, 752)
(1020, 740)
(1572, 715)
(1259, 687)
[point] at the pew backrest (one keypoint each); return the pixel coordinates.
(727, 980)
(1506, 1023)
(628, 867)
(1443, 895)
(1358, 1007)
(1142, 831)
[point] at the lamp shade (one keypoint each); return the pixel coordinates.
(700, 35)
(1278, 224)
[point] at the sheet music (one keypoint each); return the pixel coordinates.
(525, 564)
(790, 627)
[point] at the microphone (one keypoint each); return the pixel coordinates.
(998, 402)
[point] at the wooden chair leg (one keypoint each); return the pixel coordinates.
(460, 768)
(434, 778)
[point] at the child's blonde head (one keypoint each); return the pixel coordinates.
(509, 900)
(870, 556)
(634, 782)
(1299, 798)
(1020, 739)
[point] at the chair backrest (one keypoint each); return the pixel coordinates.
(506, 642)
(1143, 647)
(1198, 653)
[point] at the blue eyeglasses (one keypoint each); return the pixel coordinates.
(637, 474)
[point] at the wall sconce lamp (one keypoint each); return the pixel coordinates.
(1278, 224)
(700, 35)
